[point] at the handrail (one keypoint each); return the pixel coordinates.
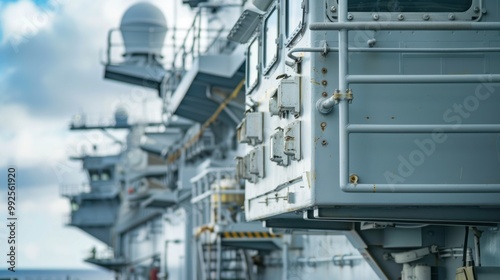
(195, 32)
(400, 50)
(428, 79)
(210, 170)
(209, 193)
(423, 188)
(72, 190)
(391, 25)
(343, 104)
(423, 128)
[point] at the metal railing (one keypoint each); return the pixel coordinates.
(177, 57)
(106, 254)
(72, 190)
(343, 26)
(211, 198)
(151, 31)
(198, 40)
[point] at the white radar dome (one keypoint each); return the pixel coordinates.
(143, 28)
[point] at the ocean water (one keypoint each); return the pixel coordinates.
(50, 274)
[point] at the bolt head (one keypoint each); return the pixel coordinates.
(451, 16)
(426, 17)
(333, 9)
(401, 17)
(375, 17)
(350, 17)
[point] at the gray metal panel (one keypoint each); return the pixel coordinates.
(102, 234)
(149, 76)
(135, 218)
(416, 214)
(487, 273)
(207, 70)
(402, 238)
(411, 169)
(307, 224)
(161, 200)
(265, 244)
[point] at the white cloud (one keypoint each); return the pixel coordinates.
(29, 141)
(31, 251)
(42, 240)
(24, 19)
(49, 61)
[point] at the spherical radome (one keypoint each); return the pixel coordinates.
(143, 27)
(145, 14)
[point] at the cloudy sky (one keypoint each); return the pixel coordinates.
(50, 52)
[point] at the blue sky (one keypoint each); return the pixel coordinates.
(50, 70)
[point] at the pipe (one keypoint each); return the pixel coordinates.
(325, 105)
(452, 252)
(435, 26)
(343, 105)
(315, 49)
(423, 128)
(285, 260)
(392, 79)
(421, 188)
(202, 229)
(338, 260)
(477, 245)
(464, 258)
(424, 50)
(389, 50)
(407, 50)
(218, 269)
(219, 198)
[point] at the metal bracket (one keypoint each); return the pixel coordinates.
(277, 148)
(292, 140)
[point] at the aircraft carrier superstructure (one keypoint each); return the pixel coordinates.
(303, 139)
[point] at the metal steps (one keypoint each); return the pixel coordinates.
(223, 263)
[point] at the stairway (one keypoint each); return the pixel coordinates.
(233, 263)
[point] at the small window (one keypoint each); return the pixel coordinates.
(106, 175)
(409, 6)
(294, 19)
(271, 34)
(94, 175)
(252, 65)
